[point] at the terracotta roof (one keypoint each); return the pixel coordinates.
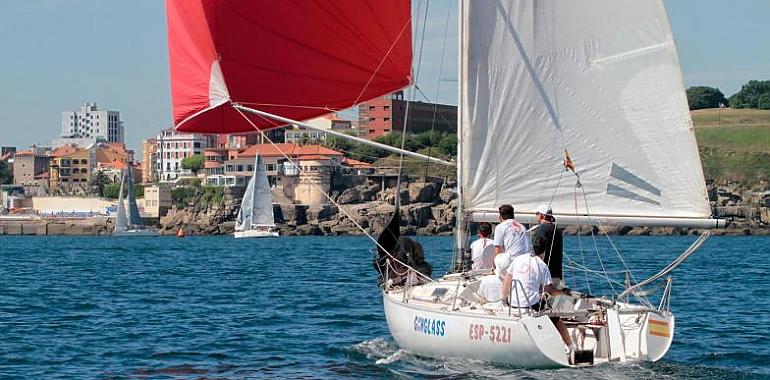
(23, 153)
(313, 157)
(66, 150)
(357, 164)
(112, 165)
(291, 150)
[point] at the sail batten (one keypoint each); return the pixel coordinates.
(598, 79)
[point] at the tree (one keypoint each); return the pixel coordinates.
(6, 174)
(701, 97)
(98, 182)
(752, 95)
(193, 163)
(111, 191)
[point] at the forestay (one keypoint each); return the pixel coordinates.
(600, 79)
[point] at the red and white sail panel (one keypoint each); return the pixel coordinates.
(296, 59)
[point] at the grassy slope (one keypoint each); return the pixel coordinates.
(734, 144)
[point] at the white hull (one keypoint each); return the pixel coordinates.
(255, 234)
(137, 232)
(426, 327)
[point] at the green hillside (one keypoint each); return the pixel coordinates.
(734, 143)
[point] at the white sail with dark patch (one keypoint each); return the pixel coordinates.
(599, 79)
(134, 219)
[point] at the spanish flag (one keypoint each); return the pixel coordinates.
(568, 165)
(659, 328)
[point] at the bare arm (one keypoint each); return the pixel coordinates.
(507, 280)
(550, 289)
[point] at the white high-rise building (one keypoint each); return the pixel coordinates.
(88, 125)
(173, 147)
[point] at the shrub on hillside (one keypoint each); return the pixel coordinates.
(700, 97)
(754, 94)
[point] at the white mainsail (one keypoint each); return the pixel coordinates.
(257, 204)
(600, 79)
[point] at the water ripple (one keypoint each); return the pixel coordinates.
(306, 307)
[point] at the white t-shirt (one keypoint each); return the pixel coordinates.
(491, 288)
(532, 273)
(483, 254)
(512, 236)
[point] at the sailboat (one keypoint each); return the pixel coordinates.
(129, 222)
(255, 218)
(578, 104)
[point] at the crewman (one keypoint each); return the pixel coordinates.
(483, 249)
(511, 237)
(553, 243)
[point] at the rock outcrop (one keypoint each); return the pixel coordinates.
(428, 208)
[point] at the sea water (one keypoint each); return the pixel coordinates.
(309, 307)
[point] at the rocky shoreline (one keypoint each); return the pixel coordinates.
(428, 209)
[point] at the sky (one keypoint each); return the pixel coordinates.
(56, 55)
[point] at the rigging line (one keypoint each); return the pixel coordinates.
(580, 240)
(593, 236)
(290, 106)
(406, 114)
(382, 61)
(422, 39)
(339, 207)
(595, 273)
(438, 82)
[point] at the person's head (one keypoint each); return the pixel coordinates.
(485, 229)
(540, 245)
(506, 212)
(501, 265)
(544, 214)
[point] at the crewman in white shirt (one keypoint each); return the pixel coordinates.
(511, 237)
(532, 278)
(483, 249)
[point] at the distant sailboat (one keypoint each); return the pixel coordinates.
(255, 219)
(129, 222)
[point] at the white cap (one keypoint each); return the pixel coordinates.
(502, 261)
(543, 209)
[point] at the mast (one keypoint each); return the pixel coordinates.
(460, 224)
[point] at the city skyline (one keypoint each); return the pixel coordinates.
(114, 54)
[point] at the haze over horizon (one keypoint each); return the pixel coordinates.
(63, 53)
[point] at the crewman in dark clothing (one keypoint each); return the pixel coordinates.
(554, 256)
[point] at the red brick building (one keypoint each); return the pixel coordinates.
(386, 114)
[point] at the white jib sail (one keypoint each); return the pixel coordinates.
(598, 78)
(257, 204)
(121, 222)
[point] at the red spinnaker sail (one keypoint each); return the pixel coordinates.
(295, 58)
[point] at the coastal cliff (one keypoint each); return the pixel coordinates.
(428, 208)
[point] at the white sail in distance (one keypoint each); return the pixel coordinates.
(600, 79)
(121, 221)
(257, 204)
